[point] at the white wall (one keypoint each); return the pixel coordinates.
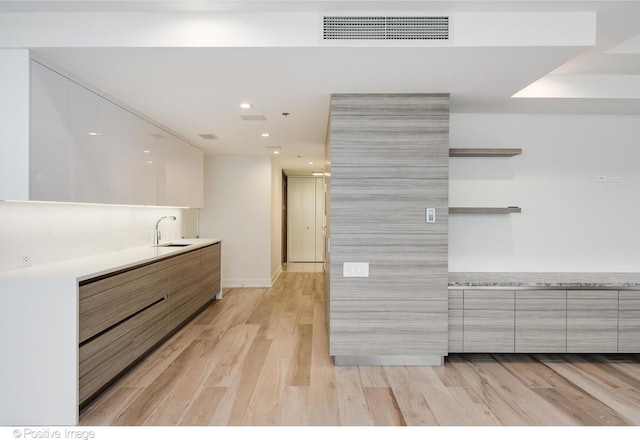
(237, 209)
(569, 222)
(50, 232)
(276, 219)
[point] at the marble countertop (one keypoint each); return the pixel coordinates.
(92, 266)
(545, 280)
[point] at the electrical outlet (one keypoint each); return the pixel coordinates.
(24, 261)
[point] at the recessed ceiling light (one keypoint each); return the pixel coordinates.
(317, 173)
(146, 151)
(246, 105)
(276, 152)
(265, 135)
(94, 133)
(310, 163)
(149, 161)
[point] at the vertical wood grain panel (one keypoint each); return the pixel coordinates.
(388, 156)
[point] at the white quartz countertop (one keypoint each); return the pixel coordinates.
(92, 266)
(545, 280)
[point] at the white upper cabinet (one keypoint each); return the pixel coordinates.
(50, 156)
(85, 148)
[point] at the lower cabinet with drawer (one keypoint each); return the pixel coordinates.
(123, 316)
(541, 321)
(544, 321)
(489, 320)
(592, 321)
(629, 321)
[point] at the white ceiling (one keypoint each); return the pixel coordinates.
(195, 90)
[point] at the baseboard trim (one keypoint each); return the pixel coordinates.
(426, 360)
(275, 276)
(231, 284)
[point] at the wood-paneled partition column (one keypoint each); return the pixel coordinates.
(389, 164)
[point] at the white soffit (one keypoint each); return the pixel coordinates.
(584, 86)
(273, 30)
(630, 46)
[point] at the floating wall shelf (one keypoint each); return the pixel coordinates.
(484, 152)
(485, 210)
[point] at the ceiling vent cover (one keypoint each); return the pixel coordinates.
(253, 117)
(385, 28)
(208, 136)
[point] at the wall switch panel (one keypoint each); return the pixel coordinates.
(430, 215)
(355, 270)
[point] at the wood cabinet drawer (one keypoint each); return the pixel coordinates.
(489, 321)
(541, 321)
(592, 321)
(210, 274)
(184, 284)
(149, 327)
(103, 358)
(106, 302)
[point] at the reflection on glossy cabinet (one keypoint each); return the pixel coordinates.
(541, 321)
(629, 322)
(592, 321)
(489, 321)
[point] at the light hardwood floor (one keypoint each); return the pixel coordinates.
(259, 357)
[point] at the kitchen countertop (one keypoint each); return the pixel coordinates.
(545, 280)
(92, 266)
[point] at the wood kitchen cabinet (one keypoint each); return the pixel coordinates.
(456, 321)
(489, 321)
(122, 316)
(592, 321)
(541, 321)
(629, 321)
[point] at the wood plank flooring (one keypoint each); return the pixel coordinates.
(259, 357)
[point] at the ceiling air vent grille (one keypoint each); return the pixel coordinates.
(386, 28)
(208, 136)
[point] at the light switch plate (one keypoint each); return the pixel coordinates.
(355, 270)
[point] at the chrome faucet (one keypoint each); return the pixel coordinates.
(157, 236)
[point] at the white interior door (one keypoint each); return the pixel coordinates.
(305, 243)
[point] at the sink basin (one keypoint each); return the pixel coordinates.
(174, 245)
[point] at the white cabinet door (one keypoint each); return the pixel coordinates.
(85, 148)
(91, 173)
(51, 158)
